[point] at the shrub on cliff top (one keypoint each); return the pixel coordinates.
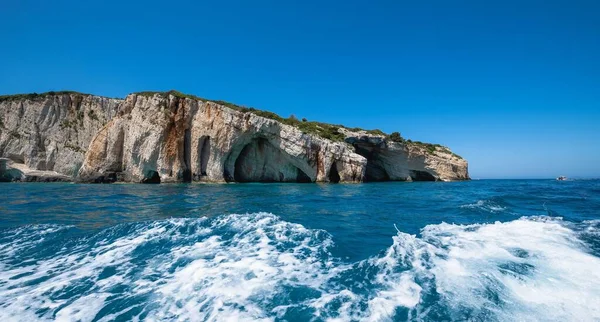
(432, 148)
(34, 96)
(375, 132)
(396, 137)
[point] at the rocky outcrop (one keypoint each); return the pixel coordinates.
(11, 171)
(405, 161)
(182, 139)
(52, 132)
(160, 137)
(174, 139)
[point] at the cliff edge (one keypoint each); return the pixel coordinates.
(172, 137)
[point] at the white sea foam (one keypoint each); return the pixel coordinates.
(527, 269)
(243, 267)
(592, 227)
(221, 278)
(485, 205)
(228, 279)
(26, 237)
(78, 266)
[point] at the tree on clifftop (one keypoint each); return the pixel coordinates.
(396, 137)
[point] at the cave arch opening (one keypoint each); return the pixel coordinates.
(203, 154)
(334, 175)
(375, 172)
(151, 176)
(375, 169)
(261, 161)
(302, 177)
(418, 175)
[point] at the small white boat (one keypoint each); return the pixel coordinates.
(561, 178)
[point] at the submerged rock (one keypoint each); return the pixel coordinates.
(166, 137)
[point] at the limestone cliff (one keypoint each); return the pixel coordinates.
(175, 139)
(158, 137)
(51, 132)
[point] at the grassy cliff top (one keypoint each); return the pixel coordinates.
(34, 96)
(325, 130)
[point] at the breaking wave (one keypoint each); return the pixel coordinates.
(259, 267)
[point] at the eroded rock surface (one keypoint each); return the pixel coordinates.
(394, 161)
(165, 138)
(52, 132)
(183, 139)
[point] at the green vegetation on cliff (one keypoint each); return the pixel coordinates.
(327, 131)
(432, 148)
(34, 96)
(396, 137)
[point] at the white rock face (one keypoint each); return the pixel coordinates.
(394, 161)
(52, 132)
(180, 139)
(187, 139)
(163, 138)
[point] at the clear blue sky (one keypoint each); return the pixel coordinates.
(513, 86)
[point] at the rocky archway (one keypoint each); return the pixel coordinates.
(334, 175)
(417, 175)
(261, 161)
(375, 172)
(375, 169)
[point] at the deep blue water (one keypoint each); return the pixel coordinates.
(488, 250)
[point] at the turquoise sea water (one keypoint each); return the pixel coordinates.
(489, 250)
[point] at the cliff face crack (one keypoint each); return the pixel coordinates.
(203, 156)
(118, 148)
(187, 156)
(261, 161)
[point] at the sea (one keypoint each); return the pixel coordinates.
(481, 250)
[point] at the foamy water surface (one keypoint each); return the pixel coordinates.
(482, 251)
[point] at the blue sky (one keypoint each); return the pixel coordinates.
(513, 86)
